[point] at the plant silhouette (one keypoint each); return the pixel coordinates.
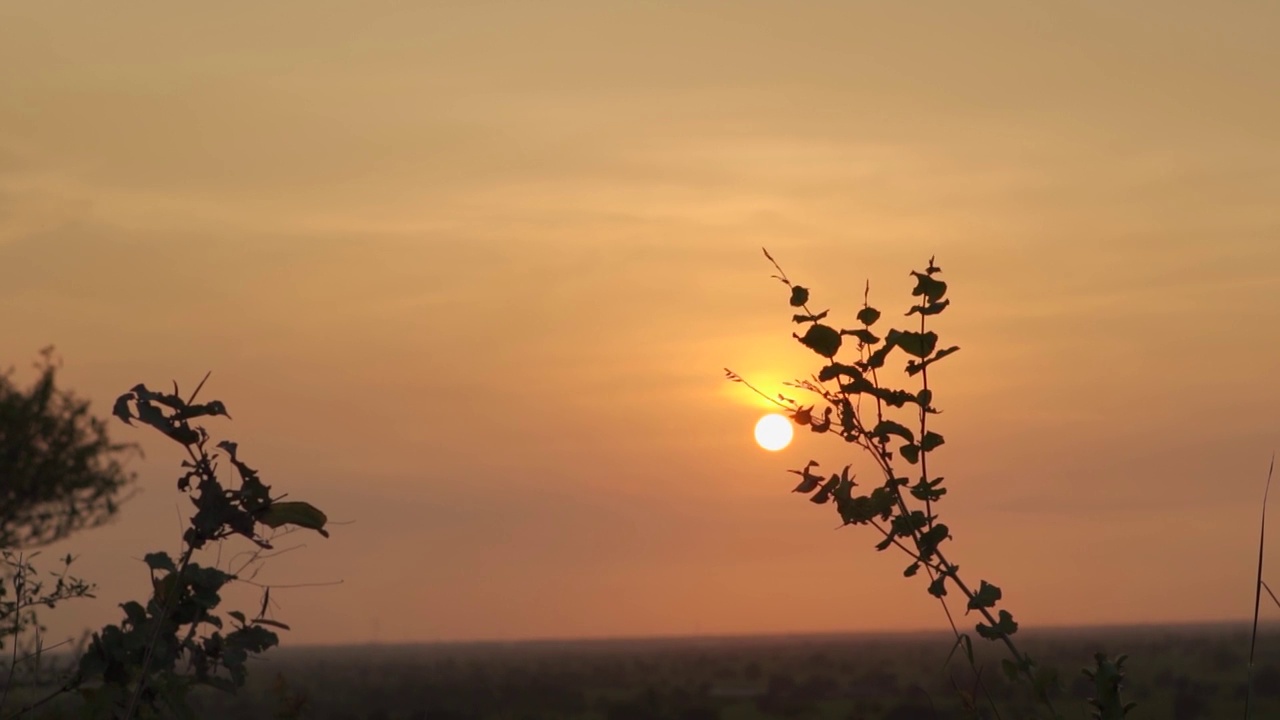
(858, 406)
(59, 473)
(175, 639)
(59, 470)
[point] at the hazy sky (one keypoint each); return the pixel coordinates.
(467, 274)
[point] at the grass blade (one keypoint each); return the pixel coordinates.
(1257, 591)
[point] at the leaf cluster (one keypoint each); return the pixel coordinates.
(855, 404)
(177, 639)
(891, 423)
(155, 637)
(220, 511)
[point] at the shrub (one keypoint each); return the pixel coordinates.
(852, 401)
(176, 639)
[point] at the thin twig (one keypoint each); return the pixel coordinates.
(18, 584)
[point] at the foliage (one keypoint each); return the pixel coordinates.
(25, 591)
(136, 668)
(59, 470)
(59, 473)
(1107, 678)
(901, 504)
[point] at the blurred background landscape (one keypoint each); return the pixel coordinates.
(1183, 672)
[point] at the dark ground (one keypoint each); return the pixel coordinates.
(1176, 673)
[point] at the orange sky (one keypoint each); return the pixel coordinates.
(467, 274)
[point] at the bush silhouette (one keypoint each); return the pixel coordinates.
(59, 473)
(59, 470)
(176, 638)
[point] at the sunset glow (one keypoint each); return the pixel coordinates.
(466, 276)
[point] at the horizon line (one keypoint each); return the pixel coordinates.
(1243, 623)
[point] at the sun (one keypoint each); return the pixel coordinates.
(773, 432)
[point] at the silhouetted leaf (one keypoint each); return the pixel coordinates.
(986, 596)
(153, 416)
(933, 309)
(213, 407)
(868, 316)
(1004, 627)
(831, 371)
(906, 525)
(162, 587)
(858, 385)
(928, 490)
(121, 408)
(930, 441)
(914, 367)
(824, 494)
(846, 483)
(821, 339)
(824, 424)
(938, 588)
(930, 540)
(876, 359)
(294, 513)
(253, 638)
(911, 570)
(928, 287)
(173, 402)
(134, 612)
(809, 482)
(885, 428)
(799, 296)
(853, 510)
(864, 335)
(914, 343)
(883, 502)
(160, 561)
(910, 453)
(893, 398)
(943, 353)
(809, 318)
(203, 577)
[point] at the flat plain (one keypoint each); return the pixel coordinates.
(1179, 672)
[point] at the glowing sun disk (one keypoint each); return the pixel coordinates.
(773, 432)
